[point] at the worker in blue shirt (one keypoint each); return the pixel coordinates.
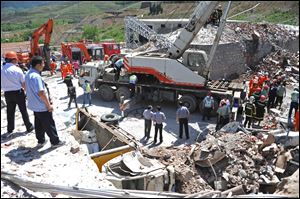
(13, 85)
(118, 66)
(158, 119)
(41, 104)
(182, 116)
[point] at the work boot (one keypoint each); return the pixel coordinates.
(60, 143)
(30, 129)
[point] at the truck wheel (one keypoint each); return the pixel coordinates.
(123, 91)
(106, 92)
(214, 112)
(190, 102)
(111, 118)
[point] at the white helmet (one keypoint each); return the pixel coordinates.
(252, 99)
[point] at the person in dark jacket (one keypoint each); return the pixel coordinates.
(72, 93)
(260, 109)
(68, 82)
(272, 96)
(250, 111)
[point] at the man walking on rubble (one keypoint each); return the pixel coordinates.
(272, 95)
(250, 111)
(13, 85)
(294, 102)
(41, 104)
(158, 119)
(148, 114)
(223, 115)
(280, 94)
(182, 116)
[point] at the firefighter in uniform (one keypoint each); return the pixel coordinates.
(260, 109)
(250, 111)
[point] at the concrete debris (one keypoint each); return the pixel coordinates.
(289, 186)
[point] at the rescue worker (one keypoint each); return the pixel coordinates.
(223, 115)
(272, 96)
(260, 109)
(76, 67)
(253, 87)
(53, 67)
(13, 85)
(72, 94)
(257, 94)
(87, 93)
(220, 13)
(208, 106)
(106, 58)
(250, 111)
(63, 69)
(265, 91)
(69, 68)
(294, 101)
(245, 91)
(280, 94)
(158, 119)
(296, 121)
(132, 83)
(68, 82)
(118, 65)
(182, 116)
(148, 114)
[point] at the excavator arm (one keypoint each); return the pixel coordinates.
(46, 29)
(67, 50)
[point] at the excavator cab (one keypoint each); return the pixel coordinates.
(96, 52)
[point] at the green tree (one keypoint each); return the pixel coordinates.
(90, 32)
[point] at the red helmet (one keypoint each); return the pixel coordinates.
(262, 98)
(266, 87)
(258, 89)
(11, 55)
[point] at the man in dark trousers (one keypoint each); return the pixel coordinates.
(158, 119)
(13, 85)
(250, 111)
(182, 116)
(40, 104)
(148, 114)
(72, 93)
(68, 82)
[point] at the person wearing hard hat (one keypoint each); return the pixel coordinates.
(250, 111)
(13, 85)
(260, 109)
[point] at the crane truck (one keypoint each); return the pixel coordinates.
(35, 49)
(175, 75)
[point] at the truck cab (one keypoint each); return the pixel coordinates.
(195, 60)
(91, 71)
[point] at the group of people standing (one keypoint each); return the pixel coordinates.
(17, 87)
(266, 93)
(158, 117)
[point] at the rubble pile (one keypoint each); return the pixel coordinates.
(274, 65)
(187, 179)
(267, 32)
(227, 160)
(253, 161)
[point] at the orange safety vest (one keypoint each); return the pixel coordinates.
(53, 66)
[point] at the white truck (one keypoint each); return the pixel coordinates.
(176, 74)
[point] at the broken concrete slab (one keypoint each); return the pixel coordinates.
(292, 139)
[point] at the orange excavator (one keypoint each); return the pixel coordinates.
(90, 52)
(44, 50)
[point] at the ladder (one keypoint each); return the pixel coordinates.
(132, 24)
